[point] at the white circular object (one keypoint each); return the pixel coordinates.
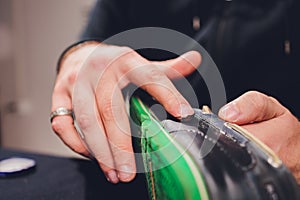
(15, 164)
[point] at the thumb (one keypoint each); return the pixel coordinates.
(251, 107)
(182, 65)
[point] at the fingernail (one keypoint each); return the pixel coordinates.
(229, 112)
(125, 173)
(112, 176)
(185, 111)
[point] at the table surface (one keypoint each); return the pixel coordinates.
(65, 178)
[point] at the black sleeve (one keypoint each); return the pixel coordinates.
(107, 18)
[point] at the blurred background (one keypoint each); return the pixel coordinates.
(33, 33)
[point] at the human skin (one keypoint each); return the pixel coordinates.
(115, 67)
(269, 121)
(97, 73)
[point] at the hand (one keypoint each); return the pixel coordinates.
(90, 82)
(269, 121)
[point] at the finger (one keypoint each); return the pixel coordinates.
(115, 120)
(87, 118)
(149, 77)
(182, 65)
(251, 107)
(63, 125)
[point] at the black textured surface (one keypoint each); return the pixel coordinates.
(63, 178)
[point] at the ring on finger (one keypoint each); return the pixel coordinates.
(61, 112)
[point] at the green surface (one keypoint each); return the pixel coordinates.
(171, 172)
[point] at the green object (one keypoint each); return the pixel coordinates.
(171, 172)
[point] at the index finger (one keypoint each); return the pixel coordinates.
(156, 83)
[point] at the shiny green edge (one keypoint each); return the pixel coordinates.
(171, 172)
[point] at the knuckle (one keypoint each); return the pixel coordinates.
(123, 153)
(129, 58)
(120, 147)
(66, 79)
(78, 148)
(253, 95)
(57, 126)
(274, 101)
(85, 121)
(257, 100)
(95, 63)
(71, 78)
(107, 110)
(121, 53)
(105, 161)
(171, 100)
(126, 49)
(104, 58)
(58, 87)
(155, 74)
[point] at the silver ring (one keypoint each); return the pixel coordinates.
(61, 112)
